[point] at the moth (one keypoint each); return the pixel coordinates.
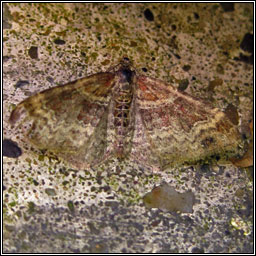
(125, 115)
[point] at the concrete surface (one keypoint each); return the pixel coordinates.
(49, 208)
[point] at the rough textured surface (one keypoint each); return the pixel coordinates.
(51, 208)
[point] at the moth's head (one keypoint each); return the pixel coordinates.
(126, 62)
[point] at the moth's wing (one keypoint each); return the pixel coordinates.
(69, 120)
(142, 151)
(180, 129)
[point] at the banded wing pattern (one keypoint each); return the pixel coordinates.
(70, 120)
(125, 115)
(179, 128)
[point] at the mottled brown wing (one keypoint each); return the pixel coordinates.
(69, 120)
(178, 129)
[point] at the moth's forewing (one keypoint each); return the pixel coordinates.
(69, 120)
(181, 129)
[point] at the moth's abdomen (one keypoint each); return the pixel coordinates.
(122, 108)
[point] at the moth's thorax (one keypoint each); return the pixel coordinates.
(123, 98)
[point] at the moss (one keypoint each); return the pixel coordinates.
(220, 69)
(50, 192)
(41, 158)
(31, 207)
(13, 203)
(71, 206)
